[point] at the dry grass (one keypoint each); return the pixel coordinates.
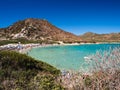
(105, 69)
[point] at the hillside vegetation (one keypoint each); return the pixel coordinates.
(94, 37)
(20, 72)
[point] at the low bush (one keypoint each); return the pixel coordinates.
(104, 73)
(18, 71)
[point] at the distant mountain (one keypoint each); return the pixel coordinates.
(36, 29)
(89, 36)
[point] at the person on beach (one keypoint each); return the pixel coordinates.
(19, 46)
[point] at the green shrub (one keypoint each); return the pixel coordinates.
(88, 81)
(17, 71)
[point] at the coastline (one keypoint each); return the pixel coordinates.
(30, 46)
(27, 47)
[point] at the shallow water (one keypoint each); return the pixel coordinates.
(68, 57)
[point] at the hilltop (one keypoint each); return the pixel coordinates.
(36, 29)
(94, 37)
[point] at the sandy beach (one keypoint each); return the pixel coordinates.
(24, 48)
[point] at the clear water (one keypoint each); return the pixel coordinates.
(68, 57)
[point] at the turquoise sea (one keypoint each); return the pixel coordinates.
(70, 57)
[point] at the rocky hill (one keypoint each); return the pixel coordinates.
(42, 30)
(36, 29)
(94, 37)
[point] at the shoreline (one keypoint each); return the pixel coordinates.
(25, 50)
(27, 47)
(30, 46)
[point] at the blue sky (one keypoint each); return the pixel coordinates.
(76, 16)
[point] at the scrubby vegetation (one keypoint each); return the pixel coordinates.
(105, 73)
(15, 41)
(25, 41)
(20, 72)
(94, 37)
